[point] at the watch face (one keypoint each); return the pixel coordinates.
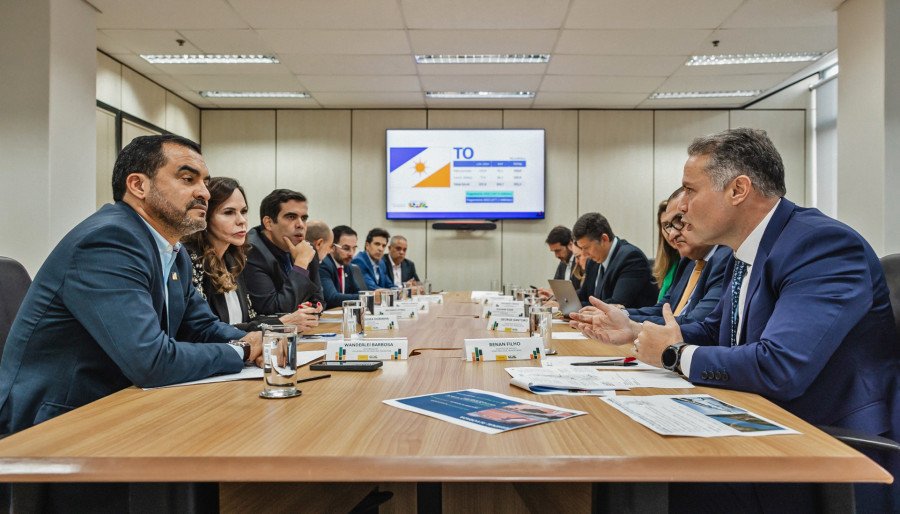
(669, 357)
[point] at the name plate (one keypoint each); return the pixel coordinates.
(487, 300)
(431, 298)
(507, 324)
(381, 322)
(505, 308)
(401, 311)
(421, 306)
(367, 349)
(504, 349)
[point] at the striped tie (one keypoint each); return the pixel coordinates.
(740, 268)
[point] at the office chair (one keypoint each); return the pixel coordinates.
(357, 274)
(14, 282)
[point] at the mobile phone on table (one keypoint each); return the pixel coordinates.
(346, 366)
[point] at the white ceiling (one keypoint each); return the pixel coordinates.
(359, 53)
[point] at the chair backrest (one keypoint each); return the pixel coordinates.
(891, 265)
(358, 277)
(14, 282)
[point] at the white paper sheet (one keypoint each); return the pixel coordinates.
(249, 372)
(565, 381)
(659, 378)
(567, 361)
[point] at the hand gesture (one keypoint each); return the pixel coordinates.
(302, 253)
(653, 339)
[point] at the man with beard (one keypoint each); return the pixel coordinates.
(282, 272)
(337, 280)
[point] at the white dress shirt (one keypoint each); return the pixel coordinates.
(398, 272)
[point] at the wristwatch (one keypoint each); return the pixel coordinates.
(244, 346)
(671, 357)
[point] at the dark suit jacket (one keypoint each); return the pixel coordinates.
(385, 279)
(94, 322)
(818, 336)
(561, 274)
(407, 269)
(331, 288)
(703, 300)
(628, 281)
(271, 289)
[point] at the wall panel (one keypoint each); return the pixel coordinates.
(109, 81)
(182, 118)
(106, 155)
(787, 130)
(143, 98)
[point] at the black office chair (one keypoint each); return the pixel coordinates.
(14, 282)
(358, 277)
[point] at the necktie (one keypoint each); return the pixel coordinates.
(737, 278)
(691, 285)
(340, 270)
(599, 281)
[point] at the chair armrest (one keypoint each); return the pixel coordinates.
(860, 440)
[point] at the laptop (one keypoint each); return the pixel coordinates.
(566, 296)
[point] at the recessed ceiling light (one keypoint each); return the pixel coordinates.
(210, 59)
(479, 94)
(704, 94)
(483, 59)
(253, 94)
(709, 60)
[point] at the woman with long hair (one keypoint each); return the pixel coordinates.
(667, 256)
(219, 254)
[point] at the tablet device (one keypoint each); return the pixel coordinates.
(566, 295)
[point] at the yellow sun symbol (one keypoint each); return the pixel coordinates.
(419, 167)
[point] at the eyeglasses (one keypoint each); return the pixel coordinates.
(675, 224)
(347, 248)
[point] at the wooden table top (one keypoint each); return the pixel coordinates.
(340, 431)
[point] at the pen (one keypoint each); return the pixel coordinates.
(618, 361)
(317, 377)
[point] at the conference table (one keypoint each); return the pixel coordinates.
(339, 436)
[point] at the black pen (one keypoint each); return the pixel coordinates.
(317, 377)
(618, 361)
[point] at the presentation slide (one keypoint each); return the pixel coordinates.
(464, 174)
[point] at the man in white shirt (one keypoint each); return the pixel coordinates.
(402, 269)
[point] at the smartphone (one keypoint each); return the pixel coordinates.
(318, 336)
(346, 366)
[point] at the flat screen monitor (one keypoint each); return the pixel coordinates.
(465, 174)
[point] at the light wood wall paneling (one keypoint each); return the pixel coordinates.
(461, 260)
(182, 118)
(241, 145)
(314, 158)
(369, 169)
(109, 80)
(615, 172)
(106, 155)
(143, 98)
(787, 130)
(526, 259)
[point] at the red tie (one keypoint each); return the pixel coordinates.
(341, 277)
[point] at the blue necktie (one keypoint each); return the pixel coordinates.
(740, 268)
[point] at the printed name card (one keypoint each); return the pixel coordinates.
(431, 298)
(401, 311)
(487, 300)
(421, 306)
(504, 349)
(478, 296)
(504, 308)
(367, 349)
(508, 324)
(381, 322)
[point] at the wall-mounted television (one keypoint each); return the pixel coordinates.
(465, 174)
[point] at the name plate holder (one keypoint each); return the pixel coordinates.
(381, 322)
(430, 298)
(504, 349)
(508, 324)
(420, 305)
(403, 312)
(509, 309)
(375, 349)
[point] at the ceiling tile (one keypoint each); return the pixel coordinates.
(788, 39)
(744, 69)
(551, 100)
(167, 81)
(241, 82)
(482, 69)
(317, 64)
(600, 84)
(238, 41)
(482, 41)
(478, 14)
(481, 82)
(390, 42)
(224, 69)
(720, 82)
(110, 45)
(631, 42)
(695, 103)
(364, 100)
(632, 14)
(151, 41)
(320, 14)
(365, 83)
(629, 65)
(194, 98)
(267, 103)
(137, 64)
(795, 13)
(166, 14)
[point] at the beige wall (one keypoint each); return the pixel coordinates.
(617, 162)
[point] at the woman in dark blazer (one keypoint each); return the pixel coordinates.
(219, 254)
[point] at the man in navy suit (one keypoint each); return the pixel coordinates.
(805, 321)
(403, 270)
(618, 271)
(374, 270)
(337, 280)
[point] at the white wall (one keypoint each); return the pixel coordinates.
(619, 163)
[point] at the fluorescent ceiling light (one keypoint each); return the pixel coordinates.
(704, 94)
(479, 94)
(253, 94)
(708, 60)
(210, 59)
(483, 59)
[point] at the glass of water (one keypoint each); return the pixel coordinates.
(540, 324)
(280, 361)
(495, 285)
(388, 298)
(426, 287)
(354, 323)
(368, 300)
(510, 289)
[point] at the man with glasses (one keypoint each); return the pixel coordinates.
(337, 280)
(618, 272)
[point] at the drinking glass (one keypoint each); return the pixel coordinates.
(368, 300)
(354, 324)
(280, 361)
(541, 324)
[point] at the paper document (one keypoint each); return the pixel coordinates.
(566, 381)
(551, 362)
(570, 336)
(249, 372)
(660, 378)
(487, 412)
(695, 415)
